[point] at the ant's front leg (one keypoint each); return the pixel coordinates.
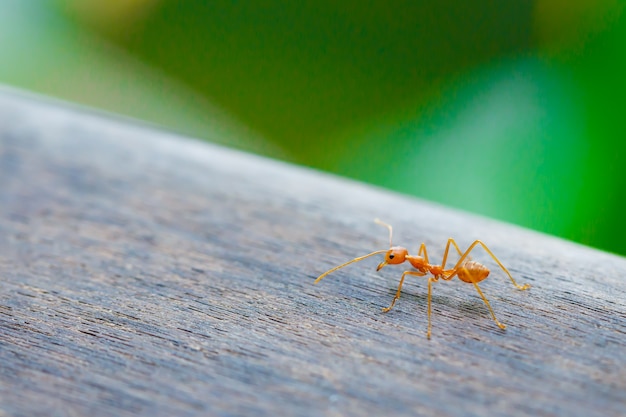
(422, 252)
(404, 274)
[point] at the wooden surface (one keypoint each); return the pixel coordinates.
(146, 274)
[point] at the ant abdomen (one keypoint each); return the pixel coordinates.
(472, 271)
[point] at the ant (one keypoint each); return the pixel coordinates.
(465, 269)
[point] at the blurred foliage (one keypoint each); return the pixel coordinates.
(299, 72)
(509, 109)
(44, 51)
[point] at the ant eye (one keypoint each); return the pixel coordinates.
(391, 256)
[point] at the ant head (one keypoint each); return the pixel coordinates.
(395, 255)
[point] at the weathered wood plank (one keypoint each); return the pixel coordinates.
(142, 273)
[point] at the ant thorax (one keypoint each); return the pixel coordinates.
(418, 263)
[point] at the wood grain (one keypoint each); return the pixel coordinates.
(143, 273)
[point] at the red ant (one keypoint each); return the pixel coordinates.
(465, 269)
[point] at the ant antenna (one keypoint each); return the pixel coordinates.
(360, 258)
(388, 226)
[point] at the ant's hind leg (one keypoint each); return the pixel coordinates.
(500, 325)
(404, 274)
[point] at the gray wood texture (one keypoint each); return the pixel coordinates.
(143, 273)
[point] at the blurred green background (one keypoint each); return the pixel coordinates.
(511, 109)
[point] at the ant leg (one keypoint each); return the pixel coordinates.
(430, 291)
(422, 252)
(478, 242)
(500, 325)
(404, 274)
(445, 253)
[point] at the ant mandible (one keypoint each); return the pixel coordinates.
(465, 269)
